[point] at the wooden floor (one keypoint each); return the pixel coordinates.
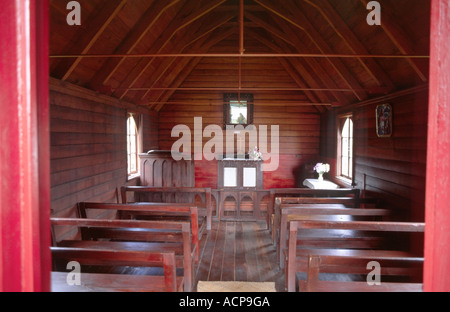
(239, 251)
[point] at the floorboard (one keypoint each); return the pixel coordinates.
(239, 251)
(231, 251)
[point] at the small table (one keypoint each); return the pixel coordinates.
(321, 185)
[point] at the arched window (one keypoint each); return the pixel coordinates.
(132, 145)
(345, 147)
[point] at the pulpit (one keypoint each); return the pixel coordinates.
(158, 168)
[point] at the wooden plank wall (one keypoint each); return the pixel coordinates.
(299, 134)
(88, 146)
(299, 125)
(394, 167)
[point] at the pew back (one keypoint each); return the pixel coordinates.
(296, 257)
(171, 194)
(159, 236)
(407, 270)
(328, 213)
(155, 211)
(115, 282)
(306, 192)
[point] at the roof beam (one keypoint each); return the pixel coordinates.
(300, 21)
(95, 26)
(270, 28)
(203, 31)
(319, 69)
(401, 41)
(352, 42)
(246, 55)
(186, 16)
(241, 27)
(337, 89)
(133, 38)
(288, 66)
(187, 70)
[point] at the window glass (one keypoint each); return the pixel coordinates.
(238, 112)
(238, 109)
(132, 152)
(345, 148)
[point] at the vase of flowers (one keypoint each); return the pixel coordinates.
(321, 168)
(255, 154)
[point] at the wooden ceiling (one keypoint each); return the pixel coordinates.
(302, 52)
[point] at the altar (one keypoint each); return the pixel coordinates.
(320, 184)
(241, 191)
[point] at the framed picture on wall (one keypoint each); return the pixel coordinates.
(384, 120)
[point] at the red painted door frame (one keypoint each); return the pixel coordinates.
(25, 261)
(437, 214)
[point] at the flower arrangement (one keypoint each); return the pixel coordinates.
(255, 154)
(321, 168)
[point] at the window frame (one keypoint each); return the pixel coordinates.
(341, 120)
(131, 173)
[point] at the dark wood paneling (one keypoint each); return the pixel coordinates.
(88, 146)
(299, 132)
(394, 167)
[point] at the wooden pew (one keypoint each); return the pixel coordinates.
(336, 202)
(110, 282)
(168, 236)
(155, 211)
(409, 268)
(172, 194)
(327, 213)
(297, 258)
(305, 192)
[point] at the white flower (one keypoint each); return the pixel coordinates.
(255, 154)
(322, 168)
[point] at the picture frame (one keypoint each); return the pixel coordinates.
(230, 100)
(384, 124)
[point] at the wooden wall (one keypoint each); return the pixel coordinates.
(394, 167)
(88, 145)
(299, 135)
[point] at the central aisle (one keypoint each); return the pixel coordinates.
(239, 251)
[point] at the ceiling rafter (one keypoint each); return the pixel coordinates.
(165, 67)
(318, 69)
(293, 70)
(287, 66)
(182, 19)
(297, 64)
(246, 55)
(318, 41)
(186, 16)
(401, 41)
(243, 89)
(270, 28)
(353, 43)
(131, 41)
(104, 15)
(317, 57)
(186, 71)
(201, 32)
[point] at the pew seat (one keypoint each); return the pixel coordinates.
(296, 259)
(407, 270)
(305, 193)
(145, 211)
(171, 195)
(321, 237)
(112, 282)
(338, 286)
(166, 236)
